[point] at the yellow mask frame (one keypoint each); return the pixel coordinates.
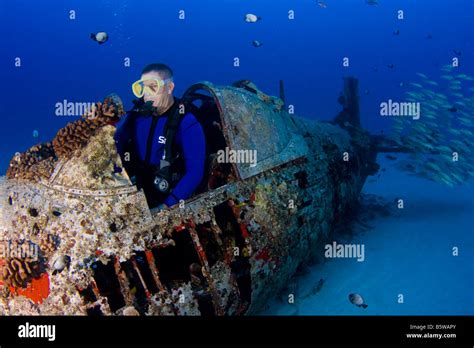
(151, 86)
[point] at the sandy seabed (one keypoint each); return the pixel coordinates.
(409, 253)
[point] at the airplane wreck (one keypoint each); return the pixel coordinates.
(78, 238)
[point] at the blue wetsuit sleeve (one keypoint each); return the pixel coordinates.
(122, 133)
(194, 152)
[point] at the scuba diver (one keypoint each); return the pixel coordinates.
(161, 144)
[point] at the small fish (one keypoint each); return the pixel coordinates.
(458, 143)
(422, 75)
(100, 37)
(391, 66)
(432, 166)
(452, 109)
(457, 52)
(256, 43)
(464, 120)
(429, 37)
(415, 94)
(457, 178)
(322, 4)
(61, 263)
(446, 181)
(416, 84)
(357, 300)
(35, 134)
(429, 115)
(372, 2)
(366, 92)
(448, 158)
(401, 84)
(447, 67)
(396, 32)
(444, 149)
(454, 131)
(445, 176)
(434, 83)
(251, 18)
(391, 157)
(317, 288)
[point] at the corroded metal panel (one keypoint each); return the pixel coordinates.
(252, 124)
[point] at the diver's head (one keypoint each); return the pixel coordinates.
(156, 85)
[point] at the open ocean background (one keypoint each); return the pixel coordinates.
(409, 254)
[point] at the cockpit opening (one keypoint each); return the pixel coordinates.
(207, 113)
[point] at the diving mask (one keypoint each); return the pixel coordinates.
(149, 87)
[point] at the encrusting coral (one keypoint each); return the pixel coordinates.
(39, 161)
(19, 270)
(76, 134)
(33, 164)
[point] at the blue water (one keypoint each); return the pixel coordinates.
(60, 61)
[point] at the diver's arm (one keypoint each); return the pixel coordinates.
(194, 153)
(122, 133)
